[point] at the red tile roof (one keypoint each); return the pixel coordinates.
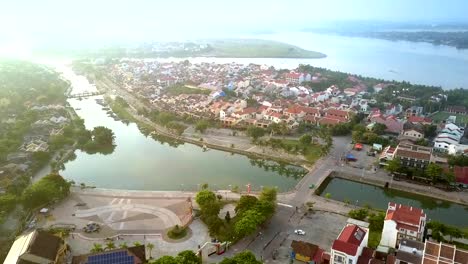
(329, 121)
(405, 214)
(344, 247)
(349, 240)
(461, 174)
(419, 119)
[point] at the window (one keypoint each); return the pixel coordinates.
(338, 259)
(350, 261)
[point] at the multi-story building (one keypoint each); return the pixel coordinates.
(413, 155)
(402, 222)
(347, 248)
(435, 253)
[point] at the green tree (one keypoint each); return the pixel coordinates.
(376, 221)
(110, 245)
(305, 139)
(49, 188)
(246, 202)
(187, 257)
(201, 126)
(205, 198)
(248, 223)
(103, 136)
(359, 214)
(165, 260)
(245, 257)
(150, 248)
(433, 171)
(379, 128)
(393, 166)
(268, 194)
(255, 132)
(97, 248)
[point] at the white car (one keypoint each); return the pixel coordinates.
(299, 232)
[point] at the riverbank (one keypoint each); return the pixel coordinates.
(403, 186)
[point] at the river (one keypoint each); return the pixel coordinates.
(377, 197)
(142, 163)
(415, 62)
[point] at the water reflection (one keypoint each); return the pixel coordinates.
(378, 197)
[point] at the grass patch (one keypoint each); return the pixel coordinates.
(182, 89)
(177, 232)
(374, 238)
(441, 116)
(312, 153)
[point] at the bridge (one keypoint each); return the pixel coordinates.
(84, 94)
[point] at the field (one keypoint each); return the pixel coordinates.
(182, 89)
(440, 116)
(253, 48)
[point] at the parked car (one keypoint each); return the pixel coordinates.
(299, 232)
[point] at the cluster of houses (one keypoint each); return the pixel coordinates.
(402, 241)
(53, 118)
(286, 97)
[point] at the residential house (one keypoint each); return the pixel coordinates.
(245, 113)
(130, 255)
(306, 252)
(402, 222)
(435, 253)
(341, 115)
(409, 252)
(388, 153)
(37, 247)
(414, 111)
(456, 109)
(419, 120)
(394, 125)
(413, 155)
(58, 120)
(274, 116)
(393, 109)
(461, 176)
(412, 134)
(36, 146)
(349, 245)
(451, 134)
(297, 78)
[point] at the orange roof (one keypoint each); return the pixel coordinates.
(404, 214)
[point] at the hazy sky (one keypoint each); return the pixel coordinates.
(38, 22)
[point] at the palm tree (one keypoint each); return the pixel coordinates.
(124, 245)
(136, 244)
(150, 249)
(110, 245)
(97, 248)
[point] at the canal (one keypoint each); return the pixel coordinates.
(143, 163)
(377, 197)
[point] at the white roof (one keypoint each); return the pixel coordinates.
(20, 246)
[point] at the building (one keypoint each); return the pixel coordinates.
(409, 252)
(451, 134)
(435, 253)
(461, 176)
(412, 134)
(402, 222)
(457, 110)
(131, 255)
(413, 155)
(306, 252)
(36, 247)
(347, 248)
(414, 111)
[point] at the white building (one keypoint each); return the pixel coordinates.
(347, 248)
(400, 222)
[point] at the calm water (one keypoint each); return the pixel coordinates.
(377, 197)
(142, 163)
(416, 62)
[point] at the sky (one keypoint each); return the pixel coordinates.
(32, 23)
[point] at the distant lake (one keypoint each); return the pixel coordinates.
(416, 62)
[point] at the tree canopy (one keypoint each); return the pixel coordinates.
(51, 187)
